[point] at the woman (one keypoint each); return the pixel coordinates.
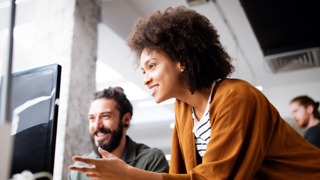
(225, 128)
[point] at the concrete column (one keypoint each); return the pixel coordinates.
(66, 33)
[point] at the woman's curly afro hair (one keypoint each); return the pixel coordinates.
(187, 37)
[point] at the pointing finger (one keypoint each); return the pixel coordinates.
(92, 175)
(82, 169)
(86, 160)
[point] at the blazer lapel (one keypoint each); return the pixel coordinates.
(188, 141)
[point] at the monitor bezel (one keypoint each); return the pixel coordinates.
(54, 106)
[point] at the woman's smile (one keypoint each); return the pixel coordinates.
(154, 89)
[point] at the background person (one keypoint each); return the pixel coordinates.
(109, 118)
(224, 128)
(305, 113)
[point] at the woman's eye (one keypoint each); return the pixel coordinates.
(151, 66)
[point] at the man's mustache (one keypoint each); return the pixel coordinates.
(102, 130)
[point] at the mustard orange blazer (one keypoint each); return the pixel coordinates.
(249, 140)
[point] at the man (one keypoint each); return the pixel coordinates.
(109, 118)
(305, 114)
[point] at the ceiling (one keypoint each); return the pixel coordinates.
(150, 125)
(282, 26)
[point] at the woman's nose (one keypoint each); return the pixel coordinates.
(147, 78)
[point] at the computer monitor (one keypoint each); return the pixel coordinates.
(34, 108)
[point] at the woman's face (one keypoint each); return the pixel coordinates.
(162, 75)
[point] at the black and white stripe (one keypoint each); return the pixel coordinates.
(202, 128)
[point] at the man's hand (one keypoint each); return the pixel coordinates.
(109, 167)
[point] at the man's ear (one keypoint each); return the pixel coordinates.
(126, 119)
(310, 109)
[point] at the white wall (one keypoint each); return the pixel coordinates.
(280, 96)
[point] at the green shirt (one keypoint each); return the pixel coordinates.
(137, 155)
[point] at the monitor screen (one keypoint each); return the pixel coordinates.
(34, 110)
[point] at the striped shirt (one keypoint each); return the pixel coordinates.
(202, 128)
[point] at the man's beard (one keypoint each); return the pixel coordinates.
(303, 123)
(114, 141)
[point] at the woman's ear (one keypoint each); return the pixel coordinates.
(182, 66)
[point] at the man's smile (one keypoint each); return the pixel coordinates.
(99, 137)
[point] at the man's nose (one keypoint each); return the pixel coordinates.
(98, 123)
(147, 78)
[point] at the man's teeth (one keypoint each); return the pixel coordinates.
(154, 87)
(100, 134)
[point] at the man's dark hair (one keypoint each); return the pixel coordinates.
(117, 94)
(187, 37)
(306, 101)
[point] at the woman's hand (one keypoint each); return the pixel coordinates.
(109, 167)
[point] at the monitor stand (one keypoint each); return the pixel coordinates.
(5, 150)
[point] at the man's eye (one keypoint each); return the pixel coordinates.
(143, 72)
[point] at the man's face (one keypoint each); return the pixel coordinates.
(299, 114)
(105, 125)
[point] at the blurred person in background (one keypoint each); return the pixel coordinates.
(305, 113)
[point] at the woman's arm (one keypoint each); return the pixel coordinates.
(139, 174)
(110, 167)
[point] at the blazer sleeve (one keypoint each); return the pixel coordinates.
(177, 168)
